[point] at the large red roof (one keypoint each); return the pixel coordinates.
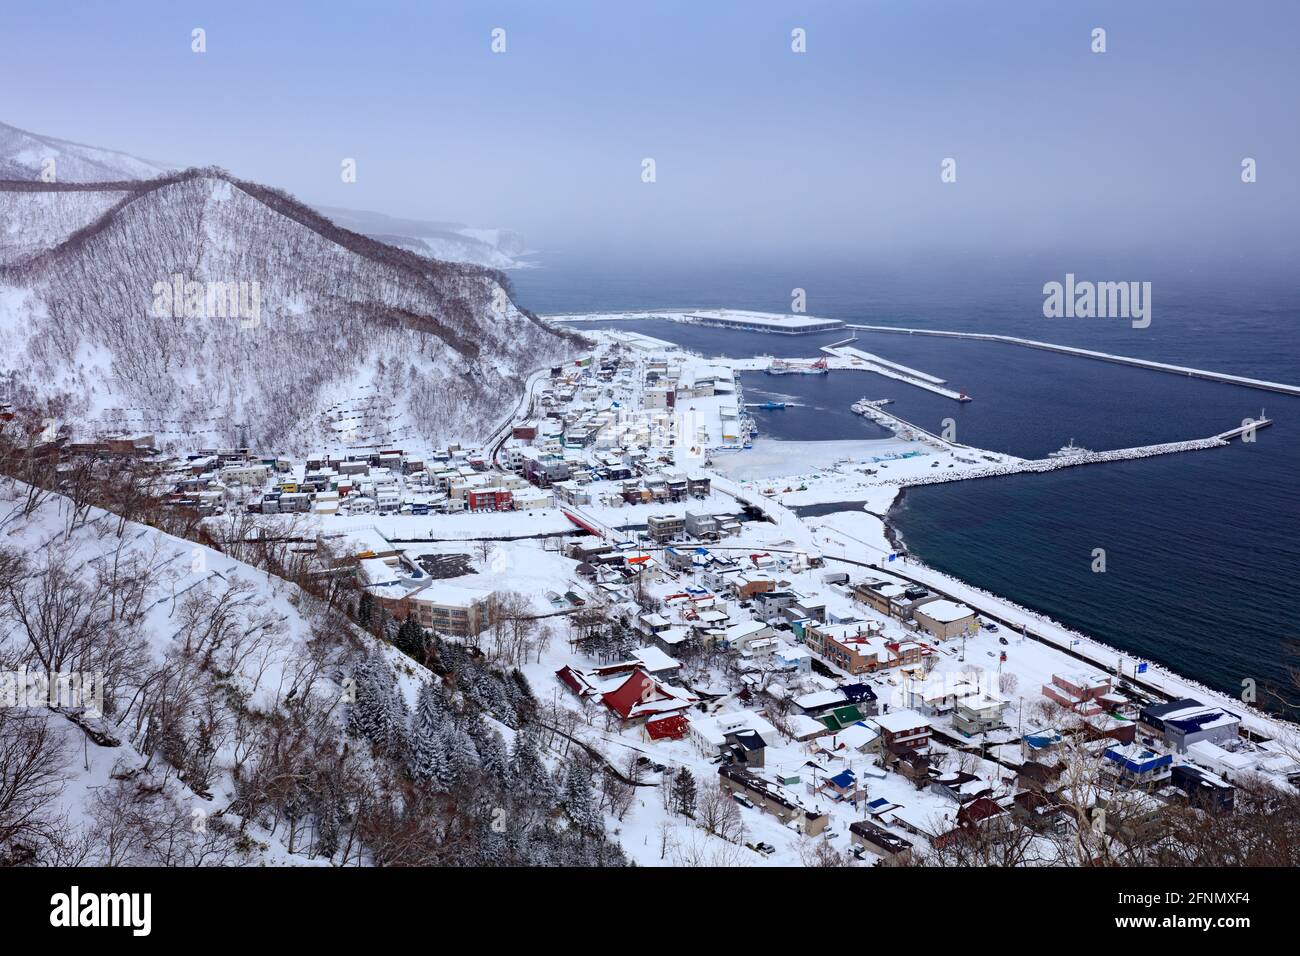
(667, 727)
(638, 687)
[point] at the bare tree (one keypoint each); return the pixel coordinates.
(33, 760)
(719, 815)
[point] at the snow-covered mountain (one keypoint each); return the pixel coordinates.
(449, 241)
(197, 306)
(25, 155)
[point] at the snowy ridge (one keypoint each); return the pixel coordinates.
(335, 314)
(446, 241)
(23, 155)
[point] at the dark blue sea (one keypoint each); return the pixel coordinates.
(1202, 549)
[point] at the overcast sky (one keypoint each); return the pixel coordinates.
(759, 150)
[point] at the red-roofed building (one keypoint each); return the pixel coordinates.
(594, 682)
(667, 727)
(977, 811)
(643, 696)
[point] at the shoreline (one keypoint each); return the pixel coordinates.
(892, 534)
(1159, 679)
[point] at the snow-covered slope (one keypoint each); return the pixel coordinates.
(326, 318)
(141, 610)
(33, 220)
(448, 241)
(229, 717)
(24, 155)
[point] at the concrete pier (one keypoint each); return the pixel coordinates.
(1242, 380)
(882, 366)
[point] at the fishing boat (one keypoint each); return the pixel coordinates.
(1069, 451)
(786, 367)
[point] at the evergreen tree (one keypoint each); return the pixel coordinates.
(365, 609)
(529, 771)
(462, 758)
(684, 793)
(577, 800)
(410, 638)
(368, 707)
(394, 740)
(430, 707)
(491, 746)
(428, 756)
(378, 713)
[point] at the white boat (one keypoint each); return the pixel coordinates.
(786, 367)
(1069, 451)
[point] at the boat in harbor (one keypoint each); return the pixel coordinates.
(1069, 451)
(787, 367)
(864, 406)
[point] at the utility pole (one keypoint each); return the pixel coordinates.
(1020, 725)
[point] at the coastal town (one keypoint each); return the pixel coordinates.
(515, 439)
(776, 688)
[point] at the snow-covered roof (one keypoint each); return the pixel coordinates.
(897, 721)
(930, 818)
(377, 572)
(743, 629)
(714, 729)
(857, 736)
(820, 698)
(673, 635)
(801, 725)
(945, 611)
(1214, 756)
(654, 659)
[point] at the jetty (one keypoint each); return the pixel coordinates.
(1200, 373)
(773, 322)
(1018, 466)
(882, 366)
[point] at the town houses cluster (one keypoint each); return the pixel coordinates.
(826, 695)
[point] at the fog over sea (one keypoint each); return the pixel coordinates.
(1202, 549)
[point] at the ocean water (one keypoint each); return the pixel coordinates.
(1202, 549)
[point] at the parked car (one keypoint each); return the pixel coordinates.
(1003, 640)
(743, 800)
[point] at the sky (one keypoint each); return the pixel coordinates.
(759, 151)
